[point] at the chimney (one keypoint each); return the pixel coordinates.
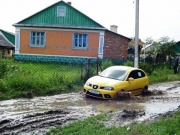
(69, 3)
(114, 28)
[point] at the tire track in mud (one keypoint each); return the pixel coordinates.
(34, 121)
(18, 117)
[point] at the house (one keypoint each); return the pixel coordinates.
(115, 45)
(148, 47)
(61, 33)
(177, 48)
(7, 41)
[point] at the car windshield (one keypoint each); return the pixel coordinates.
(114, 73)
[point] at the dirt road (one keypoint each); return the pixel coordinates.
(37, 115)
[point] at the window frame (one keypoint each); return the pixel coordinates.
(80, 41)
(37, 39)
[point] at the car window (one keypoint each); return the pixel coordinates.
(136, 74)
(140, 74)
(118, 74)
(133, 74)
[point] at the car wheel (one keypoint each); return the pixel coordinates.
(145, 90)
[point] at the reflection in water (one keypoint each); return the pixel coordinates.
(64, 101)
(110, 105)
(78, 101)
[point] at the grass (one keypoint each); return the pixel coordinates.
(19, 78)
(40, 79)
(163, 75)
(95, 126)
(165, 126)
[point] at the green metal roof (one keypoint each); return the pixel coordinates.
(49, 18)
(177, 47)
(9, 36)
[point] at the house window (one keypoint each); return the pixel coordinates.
(37, 39)
(80, 41)
(61, 11)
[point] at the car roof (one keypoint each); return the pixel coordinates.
(123, 67)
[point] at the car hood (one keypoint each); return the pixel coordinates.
(102, 81)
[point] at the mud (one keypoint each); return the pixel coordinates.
(37, 115)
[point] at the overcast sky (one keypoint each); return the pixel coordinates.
(157, 18)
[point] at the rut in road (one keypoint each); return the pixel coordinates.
(34, 121)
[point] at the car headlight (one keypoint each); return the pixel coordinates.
(88, 84)
(107, 88)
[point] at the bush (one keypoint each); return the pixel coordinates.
(129, 63)
(106, 63)
(148, 68)
(3, 68)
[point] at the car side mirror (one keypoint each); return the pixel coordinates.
(130, 79)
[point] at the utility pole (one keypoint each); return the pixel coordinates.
(136, 58)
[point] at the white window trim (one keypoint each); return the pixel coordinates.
(17, 41)
(101, 45)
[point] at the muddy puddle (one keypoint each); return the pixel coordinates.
(38, 115)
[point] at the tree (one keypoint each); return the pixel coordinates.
(149, 40)
(165, 49)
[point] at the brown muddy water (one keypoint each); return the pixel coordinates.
(37, 115)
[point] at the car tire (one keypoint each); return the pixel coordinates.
(145, 89)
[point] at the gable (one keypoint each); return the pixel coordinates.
(7, 39)
(60, 15)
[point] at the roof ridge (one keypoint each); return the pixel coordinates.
(41, 11)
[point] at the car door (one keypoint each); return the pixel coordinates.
(133, 84)
(141, 81)
(137, 84)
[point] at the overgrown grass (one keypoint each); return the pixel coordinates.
(89, 126)
(165, 126)
(95, 126)
(157, 73)
(19, 78)
(163, 75)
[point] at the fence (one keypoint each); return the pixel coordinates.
(52, 78)
(35, 76)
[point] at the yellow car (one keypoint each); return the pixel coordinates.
(116, 79)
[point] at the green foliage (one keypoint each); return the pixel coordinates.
(129, 63)
(163, 74)
(165, 47)
(106, 63)
(95, 126)
(148, 68)
(38, 79)
(149, 40)
(4, 67)
(48, 79)
(165, 126)
(91, 125)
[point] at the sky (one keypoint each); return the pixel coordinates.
(157, 18)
